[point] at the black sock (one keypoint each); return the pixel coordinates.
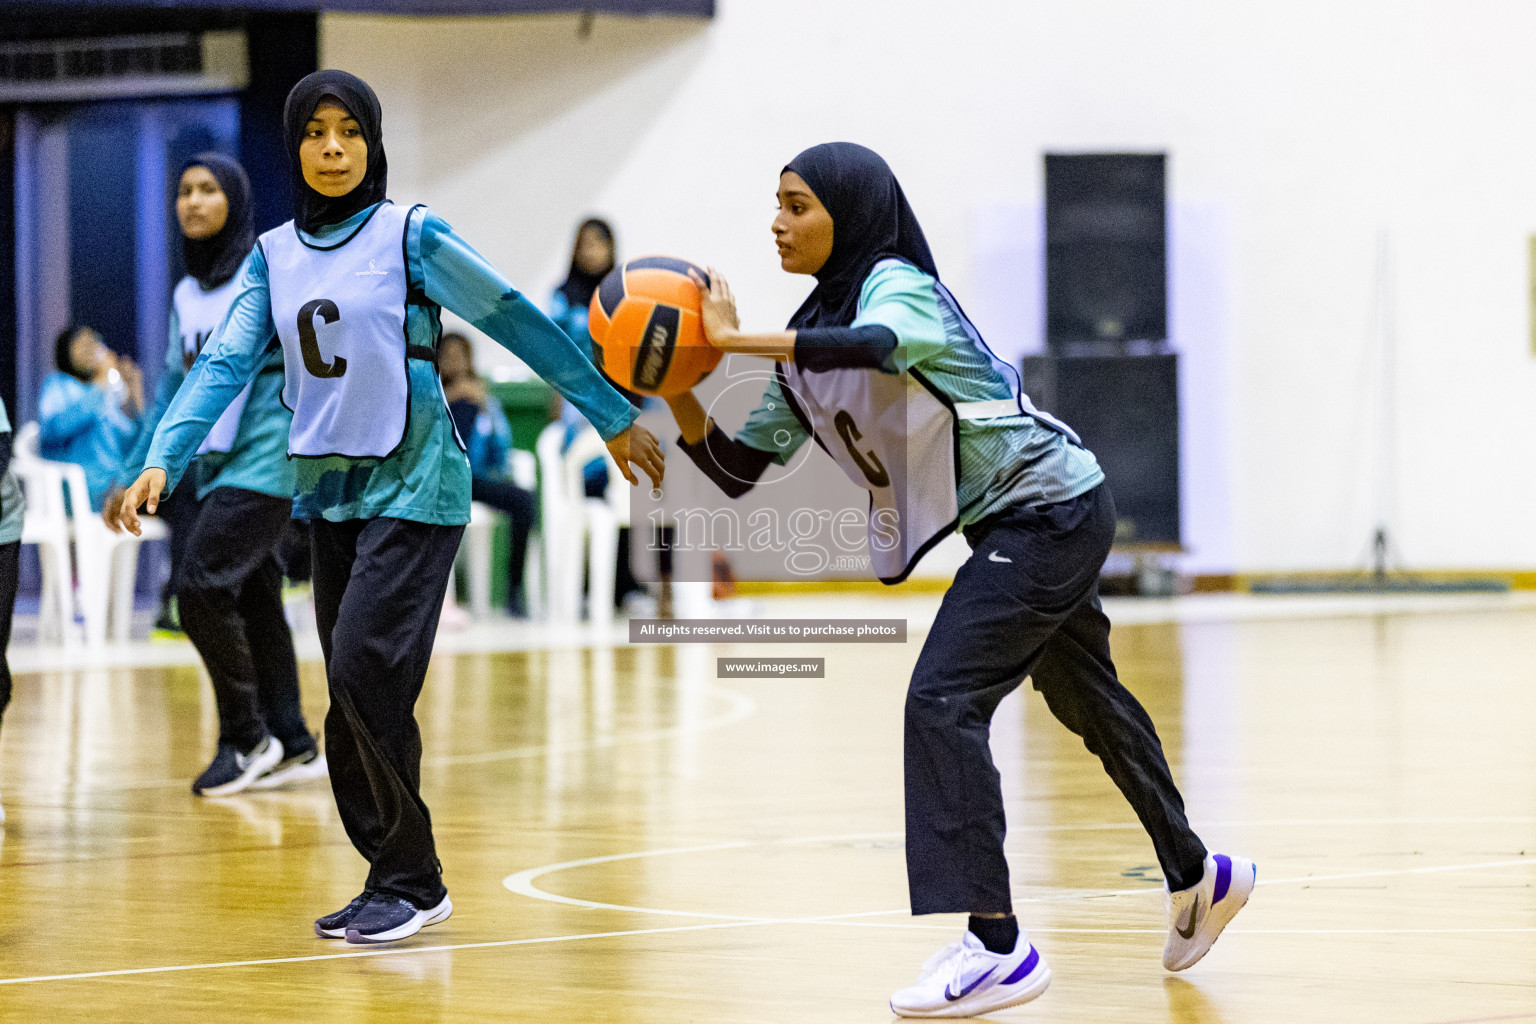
(998, 934)
(1188, 877)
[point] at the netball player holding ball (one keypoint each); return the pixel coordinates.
(353, 287)
(881, 334)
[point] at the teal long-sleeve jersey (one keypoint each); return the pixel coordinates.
(258, 459)
(426, 478)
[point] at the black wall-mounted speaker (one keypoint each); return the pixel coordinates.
(1106, 261)
(1126, 410)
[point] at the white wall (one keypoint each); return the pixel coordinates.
(1304, 139)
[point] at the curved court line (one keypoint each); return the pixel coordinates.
(522, 882)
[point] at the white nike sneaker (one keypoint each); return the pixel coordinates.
(1197, 915)
(964, 979)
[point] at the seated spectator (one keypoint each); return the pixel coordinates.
(88, 411)
(483, 428)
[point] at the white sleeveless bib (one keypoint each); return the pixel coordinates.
(898, 437)
(340, 315)
(198, 314)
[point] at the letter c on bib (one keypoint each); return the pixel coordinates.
(849, 432)
(310, 346)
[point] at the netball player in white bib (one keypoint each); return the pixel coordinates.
(882, 369)
(229, 587)
(353, 287)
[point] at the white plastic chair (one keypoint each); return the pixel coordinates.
(105, 562)
(524, 467)
(578, 530)
(46, 524)
(476, 552)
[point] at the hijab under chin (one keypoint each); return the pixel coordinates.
(311, 209)
(871, 221)
(214, 260)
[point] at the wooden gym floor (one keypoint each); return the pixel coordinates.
(628, 838)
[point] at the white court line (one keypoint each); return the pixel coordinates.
(836, 920)
(446, 948)
(171, 968)
(1304, 879)
(522, 882)
(1522, 862)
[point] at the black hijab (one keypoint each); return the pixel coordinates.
(871, 221)
(64, 354)
(214, 260)
(311, 209)
(579, 285)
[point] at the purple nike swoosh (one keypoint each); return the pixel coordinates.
(951, 996)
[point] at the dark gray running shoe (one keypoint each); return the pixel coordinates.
(231, 771)
(334, 926)
(389, 918)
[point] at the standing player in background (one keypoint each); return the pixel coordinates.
(593, 255)
(880, 362)
(230, 587)
(13, 508)
(354, 287)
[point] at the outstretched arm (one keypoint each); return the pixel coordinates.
(456, 277)
(171, 376)
(228, 362)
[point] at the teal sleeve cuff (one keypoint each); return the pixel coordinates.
(165, 391)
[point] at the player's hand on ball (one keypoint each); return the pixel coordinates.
(639, 446)
(718, 307)
(145, 491)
